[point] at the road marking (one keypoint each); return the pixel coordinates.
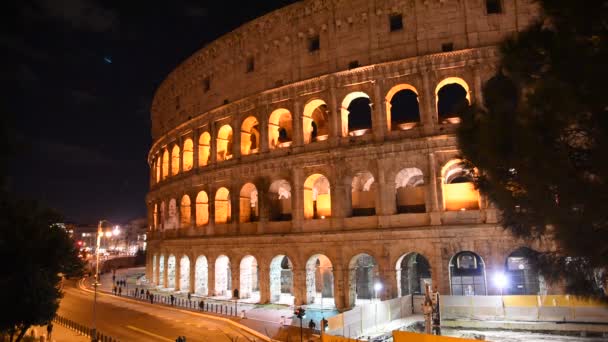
(149, 333)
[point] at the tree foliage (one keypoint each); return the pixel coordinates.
(35, 251)
(540, 142)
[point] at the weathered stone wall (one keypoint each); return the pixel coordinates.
(192, 185)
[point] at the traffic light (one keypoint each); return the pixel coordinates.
(324, 324)
(300, 313)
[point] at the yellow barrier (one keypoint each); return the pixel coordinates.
(520, 301)
(404, 336)
(330, 338)
(550, 301)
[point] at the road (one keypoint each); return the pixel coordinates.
(128, 320)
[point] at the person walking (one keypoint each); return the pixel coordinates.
(201, 305)
(136, 292)
(172, 299)
(120, 291)
(312, 325)
(49, 330)
(189, 296)
(141, 293)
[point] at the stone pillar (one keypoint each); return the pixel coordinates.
(195, 148)
(235, 208)
(340, 288)
(386, 195)
(477, 95)
(297, 199)
(427, 112)
(235, 273)
(264, 130)
(299, 286)
(192, 272)
(263, 207)
(379, 124)
(335, 128)
(180, 143)
(264, 276)
(166, 270)
(211, 225)
(178, 272)
(432, 192)
(211, 276)
(298, 132)
(236, 136)
(160, 166)
(213, 142)
(192, 209)
(388, 279)
(341, 197)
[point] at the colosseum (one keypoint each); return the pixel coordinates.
(309, 157)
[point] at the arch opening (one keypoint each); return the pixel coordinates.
(356, 114)
(281, 280)
(249, 210)
(161, 271)
(280, 129)
(363, 199)
(204, 149)
(249, 279)
(155, 217)
(317, 199)
(157, 171)
(279, 195)
(403, 108)
(165, 164)
(315, 121)
(222, 206)
(467, 275)
(163, 216)
(175, 159)
(451, 94)
(223, 277)
(250, 136)
(188, 157)
(522, 273)
(154, 269)
(185, 212)
(319, 282)
(184, 274)
(413, 273)
(171, 272)
(201, 276)
(202, 209)
(363, 274)
(224, 143)
(409, 186)
(459, 191)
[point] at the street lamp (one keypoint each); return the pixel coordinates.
(96, 283)
(501, 281)
(377, 288)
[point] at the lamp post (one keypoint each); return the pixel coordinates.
(501, 281)
(96, 283)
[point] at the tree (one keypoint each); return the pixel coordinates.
(35, 251)
(540, 142)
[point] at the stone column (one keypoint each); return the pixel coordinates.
(299, 286)
(235, 273)
(335, 127)
(388, 279)
(432, 192)
(264, 277)
(264, 130)
(297, 199)
(178, 272)
(170, 163)
(379, 124)
(195, 148)
(213, 142)
(298, 132)
(385, 196)
(236, 137)
(192, 272)
(340, 287)
(211, 276)
(155, 279)
(263, 207)
(180, 143)
(235, 208)
(192, 209)
(341, 196)
(477, 95)
(166, 270)
(160, 166)
(427, 113)
(211, 225)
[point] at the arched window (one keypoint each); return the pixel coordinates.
(204, 149)
(163, 215)
(451, 95)
(363, 275)
(155, 217)
(250, 136)
(222, 206)
(172, 221)
(249, 278)
(281, 280)
(409, 185)
(165, 164)
(317, 199)
(175, 160)
(202, 209)
(320, 281)
(157, 171)
(403, 110)
(280, 200)
(356, 114)
(248, 204)
(223, 277)
(280, 129)
(413, 273)
(184, 210)
(522, 273)
(363, 198)
(459, 192)
(315, 121)
(188, 155)
(467, 275)
(224, 143)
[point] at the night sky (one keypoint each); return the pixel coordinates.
(78, 81)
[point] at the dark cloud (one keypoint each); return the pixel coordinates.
(196, 11)
(80, 97)
(86, 15)
(73, 155)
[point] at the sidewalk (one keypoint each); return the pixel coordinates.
(60, 334)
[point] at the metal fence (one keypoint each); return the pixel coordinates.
(83, 329)
(230, 309)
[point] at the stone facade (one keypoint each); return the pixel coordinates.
(262, 149)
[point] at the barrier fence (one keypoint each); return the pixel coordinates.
(404, 336)
(83, 329)
(550, 308)
(198, 305)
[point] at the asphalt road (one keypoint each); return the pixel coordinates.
(136, 321)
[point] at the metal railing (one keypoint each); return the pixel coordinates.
(83, 329)
(196, 305)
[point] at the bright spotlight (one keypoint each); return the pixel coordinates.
(377, 286)
(108, 234)
(501, 281)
